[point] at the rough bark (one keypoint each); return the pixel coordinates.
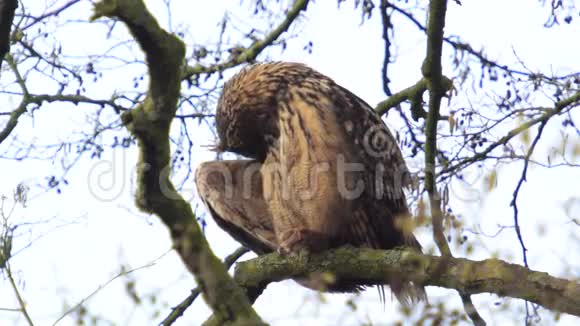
(467, 276)
(7, 9)
(150, 122)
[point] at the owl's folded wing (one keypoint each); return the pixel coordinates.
(236, 206)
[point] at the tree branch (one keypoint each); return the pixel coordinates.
(55, 12)
(150, 122)
(387, 26)
(558, 109)
(432, 72)
(514, 203)
(414, 94)
(21, 109)
(378, 266)
(19, 297)
(460, 46)
(178, 311)
(523, 177)
(251, 53)
(7, 9)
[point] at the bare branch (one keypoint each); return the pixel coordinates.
(432, 72)
(514, 202)
(559, 108)
(51, 13)
(251, 53)
(387, 27)
(178, 311)
(75, 99)
(7, 9)
(21, 109)
(462, 46)
(102, 286)
(21, 302)
(413, 94)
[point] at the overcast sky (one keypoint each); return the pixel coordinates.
(66, 262)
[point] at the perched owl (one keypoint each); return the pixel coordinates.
(324, 170)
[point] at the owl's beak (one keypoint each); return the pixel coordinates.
(218, 148)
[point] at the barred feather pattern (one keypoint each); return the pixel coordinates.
(325, 170)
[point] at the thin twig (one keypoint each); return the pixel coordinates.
(477, 54)
(516, 192)
(250, 54)
(178, 310)
(514, 204)
(387, 27)
(21, 302)
(102, 286)
(559, 108)
(21, 109)
(54, 12)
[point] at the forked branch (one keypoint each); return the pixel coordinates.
(150, 122)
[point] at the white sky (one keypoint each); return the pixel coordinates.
(68, 262)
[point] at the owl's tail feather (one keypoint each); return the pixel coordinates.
(408, 293)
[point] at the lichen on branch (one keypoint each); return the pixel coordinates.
(377, 266)
(150, 123)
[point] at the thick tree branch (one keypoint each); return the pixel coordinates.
(377, 266)
(7, 9)
(432, 72)
(150, 122)
(436, 83)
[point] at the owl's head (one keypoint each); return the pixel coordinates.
(246, 114)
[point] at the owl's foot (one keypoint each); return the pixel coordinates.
(292, 240)
(298, 240)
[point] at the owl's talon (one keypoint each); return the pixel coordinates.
(292, 241)
(283, 251)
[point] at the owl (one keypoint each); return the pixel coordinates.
(323, 170)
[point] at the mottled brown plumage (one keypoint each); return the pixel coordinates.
(325, 170)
